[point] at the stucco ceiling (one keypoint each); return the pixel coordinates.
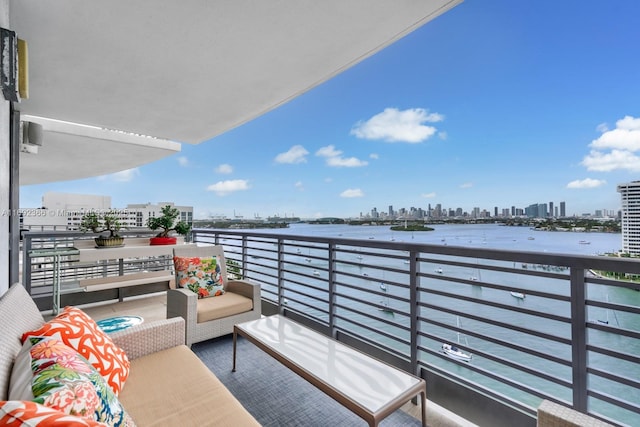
(188, 70)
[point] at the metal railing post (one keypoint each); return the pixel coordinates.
(578, 338)
(332, 289)
(280, 274)
(414, 297)
(27, 245)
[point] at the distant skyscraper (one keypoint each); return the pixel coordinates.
(563, 210)
(551, 209)
(630, 193)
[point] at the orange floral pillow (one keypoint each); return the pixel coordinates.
(22, 413)
(80, 332)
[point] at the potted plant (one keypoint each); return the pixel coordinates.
(168, 222)
(101, 223)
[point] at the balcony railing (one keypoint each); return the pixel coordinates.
(535, 325)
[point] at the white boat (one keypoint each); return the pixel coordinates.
(584, 242)
(385, 301)
(518, 295)
(316, 273)
(439, 270)
(454, 352)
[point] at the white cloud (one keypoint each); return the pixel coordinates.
(328, 151)
(393, 125)
(586, 183)
(222, 188)
(443, 135)
(374, 156)
(607, 162)
(428, 195)
(351, 193)
(350, 162)
(296, 154)
(122, 176)
(466, 185)
(299, 185)
(183, 161)
(615, 149)
(224, 169)
(334, 159)
(602, 127)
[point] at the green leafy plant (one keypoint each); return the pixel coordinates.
(100, 223)
(167, 221)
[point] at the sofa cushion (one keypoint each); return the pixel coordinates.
(20, 413)
(64, 380)
(18, 313)
(174, 388)
(201, 275)
(80, 332)
(225, 305)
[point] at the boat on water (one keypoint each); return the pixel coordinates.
(385, 302)
(518, 295)
(455, 353)
(584, 242)
(531, 238)
(316, 273)
(438, 270)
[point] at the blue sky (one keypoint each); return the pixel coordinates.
(495, 103)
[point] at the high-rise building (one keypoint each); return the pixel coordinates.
(630, 193)
(563, 210)
(551, 209)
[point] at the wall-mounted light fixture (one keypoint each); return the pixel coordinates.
(30, 137)
(14, 66)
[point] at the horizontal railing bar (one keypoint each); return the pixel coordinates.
(494, 340)
(631, 382)
(615, 354)
(494, 304)
(497, 323)
(614, 401)
(505, 380)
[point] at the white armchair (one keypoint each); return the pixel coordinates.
(212, 317)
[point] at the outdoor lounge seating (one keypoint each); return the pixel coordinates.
(207, 318)
(551, 414)
(167, 384)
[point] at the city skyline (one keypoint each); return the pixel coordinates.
(496, 100)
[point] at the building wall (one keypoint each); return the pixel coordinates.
(64, 211)
(630, 195)
(5, 173)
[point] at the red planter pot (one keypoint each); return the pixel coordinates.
(163, 240)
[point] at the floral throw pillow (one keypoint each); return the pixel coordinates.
(65, 381)
(23, 413)
(200, 275)
(80, 332)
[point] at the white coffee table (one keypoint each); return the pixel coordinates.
(366, 386)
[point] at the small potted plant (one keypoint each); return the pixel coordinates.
(168, 222)
(101, 223)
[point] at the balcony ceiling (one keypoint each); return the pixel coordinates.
(189, 70)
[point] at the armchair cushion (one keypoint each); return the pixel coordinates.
(227, 305)
(201, 275)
